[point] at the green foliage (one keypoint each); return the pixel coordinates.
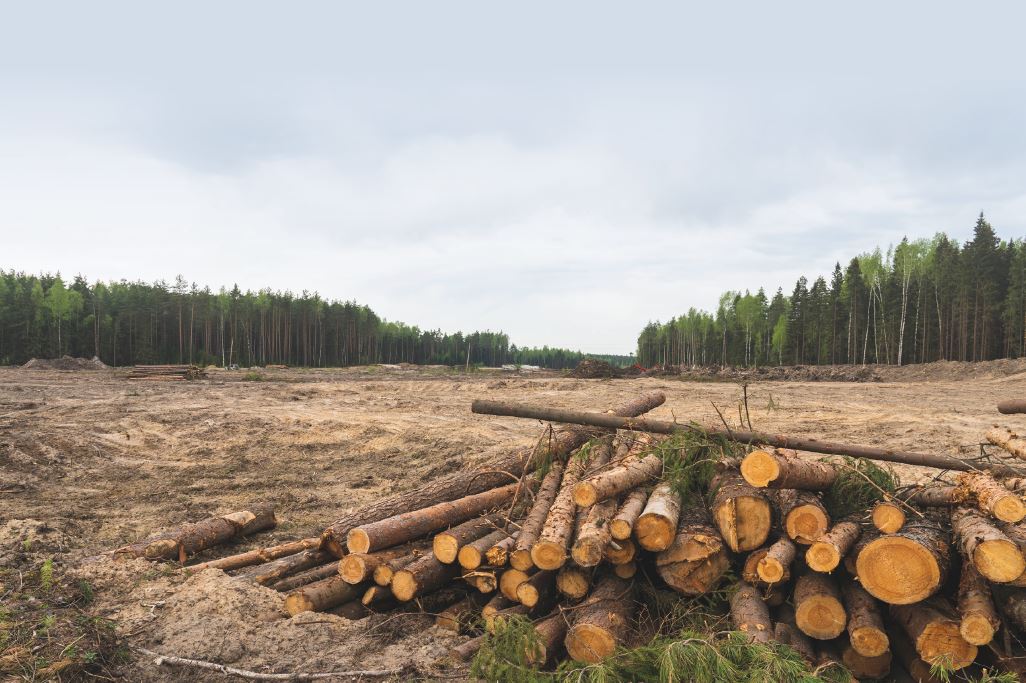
(860, 484)
(503, 656)
(46, 574)
(253, 376)
(689, 459)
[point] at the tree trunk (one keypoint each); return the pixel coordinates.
(473, 554)
(617, 480)
(574, 582)
(934, 634)
(922, 552)
(621, 552)
(484, 579)
(602, 622)
(862, 667)
(422, 576)
(379, 599)
(622, 524)
(804, 518)
(385, 572)
(412, 525)
(520, 558)
(1012, 407)
(291, 583)
(511, 579)
(888, 516)
(458, 616)
(979, 619)
(657, 525)
(540, 587)
(466, 651)
(1005, 438)
(266, 574)
(786, 632)
(549, 636)
(991, 496)
(826, 553)
(259, 556)
(783, 469)
(189, 539)
(446, 544)
(741, 512)
(905, 652)
(594, 535)
(775, 566)
(496, 604)
(499, 553)
(696, 561)
(819, 611)
(865, 623)
(937, 496)
(359, 567)
(322, 595)
(991, 552)
(750, 615)
(486, 476)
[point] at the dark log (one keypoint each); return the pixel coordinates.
(189, 539)
(259, 556)
(1012, 407)
(266, 574)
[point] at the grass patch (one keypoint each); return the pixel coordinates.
(253, 376)
(860, 485)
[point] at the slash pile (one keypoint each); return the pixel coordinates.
(166, 373)
(826, 563)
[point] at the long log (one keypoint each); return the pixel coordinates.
(520, 558)
(934, 633)
(865, 622)
(1007, 440)
(259, 556)
(978, 616)
(446, 544)
(594, 535)
(266, 574)
(697, 559)
(750, 615)
(616, 480)
(783, 469)
(905, 567)
(993, 554)
(487, 475)
(291, 583)
(601, 623)
(322, 595)
(741, 512)
(474, 554)
(818, 609)
(1012, 407)
(992, 497)
(622, 524)
(189, 539)
(641, 424)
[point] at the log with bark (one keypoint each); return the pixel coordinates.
(602, 622)
(474, 554)
(865, 627)
(978, 616)
(697, 559)
(267, 574)
(540, 587)
(359, 567)
(656, 528)
(888, 516)
(617, 480)
(621, 552)
(1007, 440)
(786, 632)
(384, 572)
(520, 558)
(741, 512)
(991, 552)
(826, 553)
(749, 613)
(258, 556)
(1012, 407)
(804, 517)
(907, 566)
(818, 609)
(549, 635)
(422, 576)
(511, 579)
(446, 544)
(992, 497)
(189, 539)
(322, 595)
(291, 583)
(484, 579)
(594, 534)
(934, 632)
(622, 524)
(573, 581)
(460, 615)
(783, 469)
(775, 565)
(863, 667)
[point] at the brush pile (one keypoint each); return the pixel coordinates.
(559, 555)
(166, 373)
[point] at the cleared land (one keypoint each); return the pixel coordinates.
(90, 461)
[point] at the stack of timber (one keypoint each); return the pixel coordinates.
(166, 373)
(571, 535)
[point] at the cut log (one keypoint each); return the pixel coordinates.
(601, 623)
(291, 583)
(657, 526)
(1008, 440)
(272, 572)
(550, 550)
(804, 518)
(594, 535)
(888, 516)
(775, 565)
(498, 555)
(360, 567)
(905, 567)
(574, 582)
(626, 571)
(520, 558)
(978, 616)
(258, 556)
(940, 495)
(621, 552)
(410, 526)
(500, 618)
(378, 599)
(352, 610)
(496, 604)
(466, 651)
(935, 634)
(905, 652)
(786, 632)
(862, 667)
(697, 559)
(741, 512)
(549, 636)
(540, 587)
(474, 554)
(783, 469)
(749, 614)
(489, 475)
(446, 544)
(818, 610)
(422, 576)
(750, 568)
(865, 623)
(384, 572)
(829, 664)
(1016, 533)
(510, 580)
(1012, 407)
(622, 524)
(484, 579)
(993, 554)
(991, 497)
(826, 553)
(617, 480)
(458, 616)
(189, 539)
(322, 595)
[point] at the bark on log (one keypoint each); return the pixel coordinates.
(862, 667)
(936, 496)
(379, 599)
(786, 632)
(266, 574)
(497, 603)
(1014, 607)
(888, 516)
(473, 554)
(993, 554)
(1007, 440)
(520, 558)
(826, 553)
(500, 618)
(783, 469)
(614, 481)
(626, 571)
(1016, 533)
(606, 421)
(258, 556)
(741, 512)
(750, 615)
(934, 632)
(359, 567)
(865, 622)
(498, 555)
(697, 559)
(775, 565)
(189, 539)
(574, 582)
(622, 524)
(991, 497)
(1012, 407)
(594, 535)
(295, 581)
(540, 587)
(549, 635)
(489, 475)
(819, 611)
(384, 572)
(657, 525)
(905, 567)
(458, 616)
(409, 526)
(978, 616)
(322, 595)
(804, 517)
(446, 544)
(601, 622)
(466, 651)
(422, 576)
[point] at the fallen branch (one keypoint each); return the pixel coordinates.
(257, 676)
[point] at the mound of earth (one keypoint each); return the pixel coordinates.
(590, 368)
(66, 363)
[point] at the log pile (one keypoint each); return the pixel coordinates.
(570, 534)
(166, 373)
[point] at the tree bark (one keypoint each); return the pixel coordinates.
(574, 582)
(498, 554)
(540, 587)
(617, 480)
(750, 615)
(189, 539)
(865, 622)
(991, 552)
(991, 497)
(922, 552)
(826, 553)
(359, 567)
(520, 558)
(259, 556)
(496, 604)
(803, 515)
(934, 633)
(484, 579)
(819, 611)
(888, 516)
(458, 616)
(322, 595)
(741, 512)
(466, 651)
(979, 618)
(775, 566)
(422, 576)
(594, 535)
(473, 554)
(783, 469)
(696, 561)
(446, 544)
(657, 525)
(622, 524)
(266, 574)
(601, 623)
(291, 583)
(1009, 441)
(549, 634)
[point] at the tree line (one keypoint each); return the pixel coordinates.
(920, 301)
(137, 323)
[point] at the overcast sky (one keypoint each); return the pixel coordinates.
(565, 172)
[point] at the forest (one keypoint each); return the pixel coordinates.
(129, 323)
(920, 301)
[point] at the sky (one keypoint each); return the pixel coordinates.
(565, 172)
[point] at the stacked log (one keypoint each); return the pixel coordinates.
(166, 373)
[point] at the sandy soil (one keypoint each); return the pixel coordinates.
(90, 461)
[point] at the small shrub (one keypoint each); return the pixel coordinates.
(252, 377)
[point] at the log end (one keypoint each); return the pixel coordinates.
(589, 643)
(521, 559)
(573, 583)
(898, 570)
(759, 468)
(771, 570)
(584, 494)
(999, 560)
(527, 594)
(296, 603)
(1009, 509)
(626, 570)
(976, 629)
(744, 522)
(822, 557)
(821, 617)
(469, 557)
(888, 518)
(695, 578)
(587, 552)
(869, 641)
(353, 568)
(358, 541)
(654, 532)
(619, 529)
(806, 523)
(548, 555)
(621, 552)
(404, 585)
(510, 581)
(445, 548)
(941, 642)
(383, 575)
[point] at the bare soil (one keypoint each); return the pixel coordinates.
(90, 461)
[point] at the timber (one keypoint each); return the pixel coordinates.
(359, 567)
(291, 583)
(1007, 440)
(818, 609)
(863, 667)
(934, 633)
(992, 497)
(259, 556)
(749, 614)
(267, 574)
(446, 544)
(783, 469)
(775, 565)
(617, 480)
(541, 587)
(825, 554)
(601, 623)
(622, 524)
(474, 554)
(384, 572)
(865, 622)
(520, 558)
(422, 576)
(888, 516)
(805, 518)
(907, 566)
(978, 619)
(697, 559)
(458, 616)
(741, 512)
(510, 580)
(989, 550)
(574, 582)
(322, 595)
(594, 535)
(550, 633)
(657, 525)
(189, 539)
(621, 552)
(626, 570)
(786, 632)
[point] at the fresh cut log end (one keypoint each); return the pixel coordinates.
(819, 612)
(869, 641)
(521, 559)
(806, 522)
(548, 555)
(469, 557)
(621, 552)
(404, 585)
(935, 634)
(657, 525)
(589, 643)
(353, 568)
(976, 629)
(446, 548)
(999, 560)
(573, 582)
(585, 494)
(905, 567)
(743, 521)
(822, 557)
(357, 541)
(510, 581)
(759, 468)
(888, 517)
(296, 603)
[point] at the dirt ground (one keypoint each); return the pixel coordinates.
(90, 461)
